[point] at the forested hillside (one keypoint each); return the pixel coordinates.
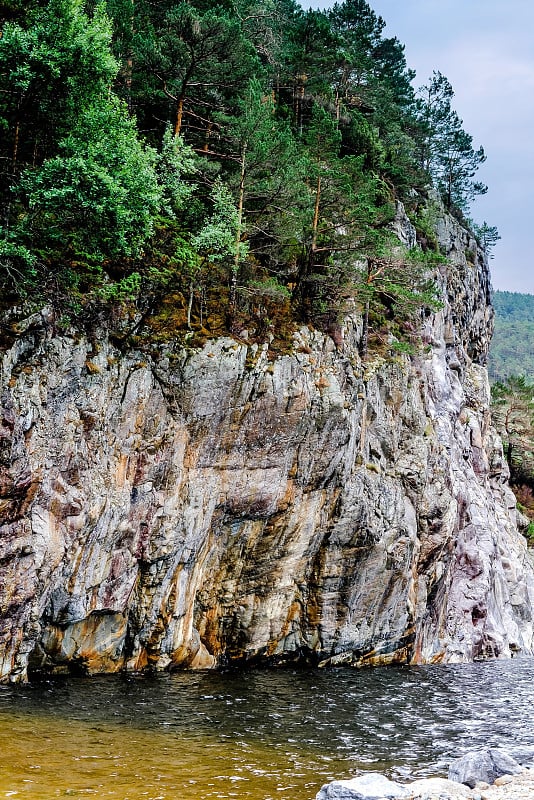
(511, 370)
(512, 347)
(220, 167)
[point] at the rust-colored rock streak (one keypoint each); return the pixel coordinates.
(211, 506)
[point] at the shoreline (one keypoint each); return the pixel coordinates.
(374, 786)
(507, 787)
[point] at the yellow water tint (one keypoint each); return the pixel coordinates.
(255, 734)
(42, 757)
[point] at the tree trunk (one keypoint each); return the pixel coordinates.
(207, 139)
(179, 117)
(299, 94)
(315, 223)
(16, 144)
(301, 110)
(232, 300)
(190, 306)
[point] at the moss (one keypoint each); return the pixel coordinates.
(373, 468)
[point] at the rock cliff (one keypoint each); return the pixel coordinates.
(211, 506)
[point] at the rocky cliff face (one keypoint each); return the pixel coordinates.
(212, 506)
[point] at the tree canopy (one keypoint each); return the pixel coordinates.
(229, 162)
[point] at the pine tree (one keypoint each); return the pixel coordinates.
(194, 62)
(446, 150)
(265, 182)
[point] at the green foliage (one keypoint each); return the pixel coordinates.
(51, 69)
(267, 181)
(18, 271)
(99, 195)
(176, 166)
(513, 306)
(424, 220)
(361, 138)
(445, 150)
(125, 289)
(399, 280)
(346, 221)
(487, 236)
(237, 161)
(78, 183)
(406, 348)
(310, 67)
(270, 288)
(192, 61)
(216, 239)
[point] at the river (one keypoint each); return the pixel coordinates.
(265, 735)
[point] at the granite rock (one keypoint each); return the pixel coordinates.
(371, 786)
(483, 766)
(177, 507)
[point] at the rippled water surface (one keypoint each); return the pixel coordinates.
(260, 735)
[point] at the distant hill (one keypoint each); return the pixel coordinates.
(512, 348)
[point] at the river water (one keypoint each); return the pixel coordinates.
(263, 735)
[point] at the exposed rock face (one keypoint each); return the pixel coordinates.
(211, 506)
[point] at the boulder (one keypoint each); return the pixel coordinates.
(483, 765)
(438, 787)
(371, 786)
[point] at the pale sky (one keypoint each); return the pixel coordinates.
(486, 50)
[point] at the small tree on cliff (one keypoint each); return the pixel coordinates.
(487, 236)
(513, 416)
(396, 281)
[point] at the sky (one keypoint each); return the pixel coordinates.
(486, 50)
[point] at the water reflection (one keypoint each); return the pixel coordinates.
(259, 735)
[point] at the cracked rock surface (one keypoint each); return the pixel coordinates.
(194, 508)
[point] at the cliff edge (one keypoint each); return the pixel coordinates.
(212, 506)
